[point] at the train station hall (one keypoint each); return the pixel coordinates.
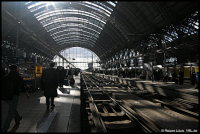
(100, 66)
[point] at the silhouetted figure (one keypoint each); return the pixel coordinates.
(49, 83)
(180, 76)
(12, 85)
(77, 71)
(71, 77)
(197, 80)
(159, 74)
(61, 74)
(155, 75)
(193, 77)
(169, 76)
(68, 72)
(174, 77)
(165, 78)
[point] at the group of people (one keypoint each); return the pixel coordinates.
(156, 75)
(52, 78)
(13, 84)
(179, 78)
(62, 74)
(173, 77)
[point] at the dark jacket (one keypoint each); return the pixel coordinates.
(12, 84)
(61, 74)
(180, 74)
(49, 82)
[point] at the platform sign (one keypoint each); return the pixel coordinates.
(196, 69)
(38, 71)
(186, 72)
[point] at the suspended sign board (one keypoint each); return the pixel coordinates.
(38, 71)
(171, 60)
(196, 68)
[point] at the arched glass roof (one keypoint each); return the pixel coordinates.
(72, 21)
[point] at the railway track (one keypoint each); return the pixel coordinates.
(113, 115)
(184, 104)
(106, 114)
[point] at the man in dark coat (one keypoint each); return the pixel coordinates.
(63, 75)
(12, 84)
(181, 76)
(197, 80)
(193, 77)
(49, 83)
(174, 77)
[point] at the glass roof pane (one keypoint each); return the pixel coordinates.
(97, 7)
(81, 26)
(71, 19)
(72, 32)
(196, 25)
(103, 5)
(112, 3)
(76, 41)
(74, 36)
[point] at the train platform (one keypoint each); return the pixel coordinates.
(65, 117)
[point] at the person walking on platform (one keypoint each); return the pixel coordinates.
(193, 77)
(169, 76)
(165, 78)
(174, 77)
(197, 80)
(62, 74)
(49, 83)
(71, 77)
(12, 85)
(181, 76)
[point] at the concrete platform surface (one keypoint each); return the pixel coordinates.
(65, 117)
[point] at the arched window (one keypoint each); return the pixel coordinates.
(80, 57)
